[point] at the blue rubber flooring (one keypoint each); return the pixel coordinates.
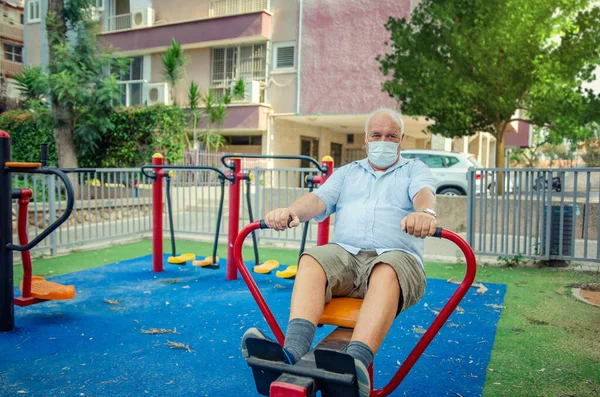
(88, 347)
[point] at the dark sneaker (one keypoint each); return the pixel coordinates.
(259, 334)
(364, 381)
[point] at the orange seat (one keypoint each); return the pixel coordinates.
(341, 312)
(47, 290)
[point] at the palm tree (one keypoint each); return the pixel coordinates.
(174, 61)
(194, 99)
(216, 112)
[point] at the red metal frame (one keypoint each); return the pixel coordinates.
(157, 217)
(323, 227)
(425, 340)
(282, 389)
(234, 215)
(25, 299)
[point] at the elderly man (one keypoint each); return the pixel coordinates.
(384, 207)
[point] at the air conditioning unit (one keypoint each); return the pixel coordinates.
(142, 18)
(252, 91)
(157, 93)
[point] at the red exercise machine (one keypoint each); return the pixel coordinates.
(321, 369)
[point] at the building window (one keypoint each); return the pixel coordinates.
(34, 11)
(284, 58)
(244, 140)
(230, 64)
(350, 138)
(13, 53)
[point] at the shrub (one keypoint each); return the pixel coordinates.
(138, 133)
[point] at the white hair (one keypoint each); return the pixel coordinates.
(396, 117)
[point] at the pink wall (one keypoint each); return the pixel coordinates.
(518, 139)
(340, 40)
(244, 117)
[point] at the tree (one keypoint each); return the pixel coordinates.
(194, 98)
(591, 157)
(73, 91)
(470, 65)
(174, 61)
(216, 112)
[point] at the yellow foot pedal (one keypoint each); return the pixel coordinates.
(266, 267)
(181, 259)
(47, 290)
(208, 261)
(290, 272)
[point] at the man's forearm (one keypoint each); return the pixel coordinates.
(424, 199)
(307, 207)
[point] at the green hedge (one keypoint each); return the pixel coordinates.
(137, 133)
(28, 132)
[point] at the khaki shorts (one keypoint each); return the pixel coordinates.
(348, 275)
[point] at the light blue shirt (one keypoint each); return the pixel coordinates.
(369, 207)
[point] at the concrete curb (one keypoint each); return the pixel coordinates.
(577, 294)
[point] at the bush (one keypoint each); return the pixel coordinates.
(138, 133)
(28, 131)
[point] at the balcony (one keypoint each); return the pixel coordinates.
(254, 90)
(222, 8)
(10, 30)
(142, 18)
(247, 117)
(141, 92)
(200, 33)
(10, 68)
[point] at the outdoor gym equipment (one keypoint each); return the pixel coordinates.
(325, 367)
(325, 168)
(174, 258)
(34, 289)
(160, 172)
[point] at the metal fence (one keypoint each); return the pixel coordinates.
(110, 203)
(541, 214)
(115, 203)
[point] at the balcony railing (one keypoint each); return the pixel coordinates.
(254, 90)
(11, 68)
(221, 8)
(141, 92)
(141, 18)
(10, 30)
(118, 22)
(132, 92)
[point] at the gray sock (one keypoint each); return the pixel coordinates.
(299, 337)
(361, 352)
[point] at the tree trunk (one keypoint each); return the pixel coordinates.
(56, 30)
(500, 157)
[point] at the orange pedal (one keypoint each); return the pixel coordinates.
(47, 290)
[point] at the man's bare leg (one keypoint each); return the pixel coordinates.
(379, 307)
(308, 296)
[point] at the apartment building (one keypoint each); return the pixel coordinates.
(11, 40)
(309, 67)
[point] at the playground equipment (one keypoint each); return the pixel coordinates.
(235, 176)
(325, 168)
(174, 258)
(325, 367)
(159, 172)
(34, 289)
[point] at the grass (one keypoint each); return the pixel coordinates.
(547, 342)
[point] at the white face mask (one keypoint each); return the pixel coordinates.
(383, 154)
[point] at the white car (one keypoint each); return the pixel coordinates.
(449, 169)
